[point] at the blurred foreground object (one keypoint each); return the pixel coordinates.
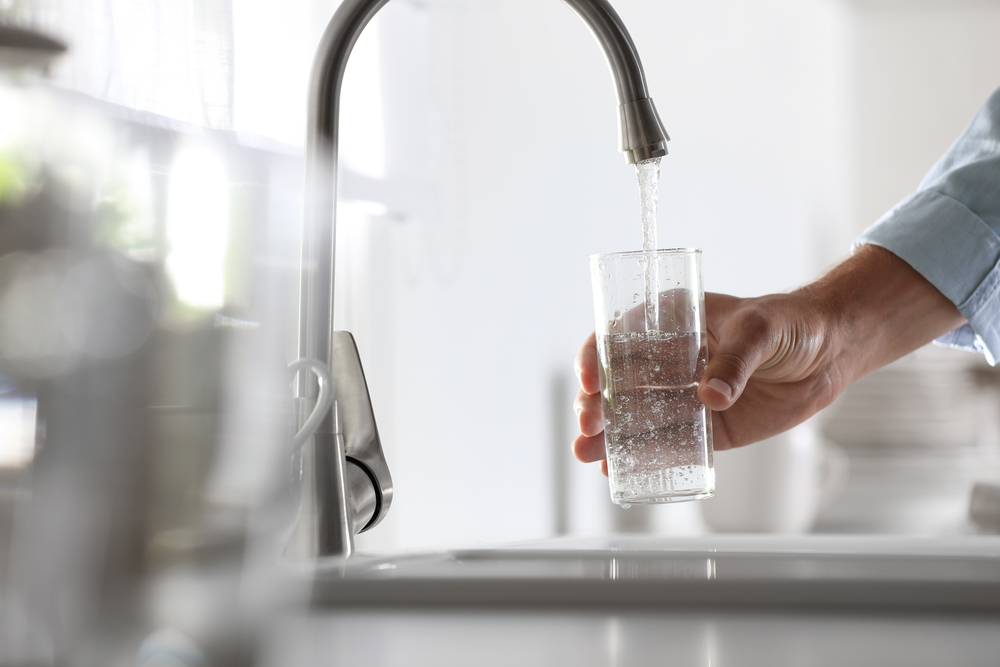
(22, 49)
(141, 397)
(984, 507)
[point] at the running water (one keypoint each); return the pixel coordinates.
(648, 172)
(655, 427)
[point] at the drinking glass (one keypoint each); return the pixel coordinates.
(652, 344)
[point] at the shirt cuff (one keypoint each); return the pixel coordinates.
(957, 252)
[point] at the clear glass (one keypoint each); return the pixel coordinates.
(653, 352)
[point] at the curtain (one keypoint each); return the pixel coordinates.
(174, 58)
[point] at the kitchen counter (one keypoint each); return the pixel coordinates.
(719, 600)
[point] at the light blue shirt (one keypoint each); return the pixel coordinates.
(949, 231)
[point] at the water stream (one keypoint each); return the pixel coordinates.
(648, 173)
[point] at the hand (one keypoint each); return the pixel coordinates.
(777, 360)
(786, 380)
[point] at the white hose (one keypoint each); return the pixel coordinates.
(323, 402)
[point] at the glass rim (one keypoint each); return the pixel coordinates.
(658, 252)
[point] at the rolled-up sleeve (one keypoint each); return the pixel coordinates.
(949, 231)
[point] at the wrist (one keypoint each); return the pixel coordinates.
(874, 308)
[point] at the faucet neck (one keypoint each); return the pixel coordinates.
(640, 133)
(641, 137)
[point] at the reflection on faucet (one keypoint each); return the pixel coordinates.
(641, 137)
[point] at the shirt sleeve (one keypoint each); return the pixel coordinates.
(949, 231)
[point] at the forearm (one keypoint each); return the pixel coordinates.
(877, 309)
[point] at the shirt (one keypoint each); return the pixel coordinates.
(949, 231)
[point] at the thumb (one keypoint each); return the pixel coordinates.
(743, 346)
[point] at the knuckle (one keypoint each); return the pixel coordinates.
(755, 325)
(733, 366)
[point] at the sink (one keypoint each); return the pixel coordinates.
(959, 573)
(630, 601)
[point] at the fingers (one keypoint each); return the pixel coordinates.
(586, 366)
(720, 434)
(589, 413)
(744, 344)
(589, 445)
(589, 449)
(718, 308)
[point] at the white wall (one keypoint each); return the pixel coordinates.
(794, 124)
(501, 154)
(922, 69)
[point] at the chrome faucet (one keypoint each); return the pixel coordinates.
(347, 487)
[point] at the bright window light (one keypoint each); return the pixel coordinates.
(11, 116)
(17, 430)
(197, 224)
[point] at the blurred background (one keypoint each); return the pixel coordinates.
(150, 215)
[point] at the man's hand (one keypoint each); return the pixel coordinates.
(777, 360)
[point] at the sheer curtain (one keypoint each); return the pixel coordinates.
(174, 58)
(222, 64)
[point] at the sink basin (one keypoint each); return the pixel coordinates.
(718, 601)
(960, 573)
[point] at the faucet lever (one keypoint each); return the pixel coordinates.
(362, 445)
(346, 486)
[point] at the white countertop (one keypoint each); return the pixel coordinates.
(719, 601)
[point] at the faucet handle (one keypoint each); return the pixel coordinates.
(346, 486)
(362, 446)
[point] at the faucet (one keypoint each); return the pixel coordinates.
(346, 483)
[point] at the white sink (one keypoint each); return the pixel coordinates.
(723, 601)
(957, 573)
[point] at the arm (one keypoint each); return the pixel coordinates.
(949, 230)
(777, 360)
(928, 269)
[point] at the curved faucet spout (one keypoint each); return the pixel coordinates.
(641, 134)
(641, 137)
